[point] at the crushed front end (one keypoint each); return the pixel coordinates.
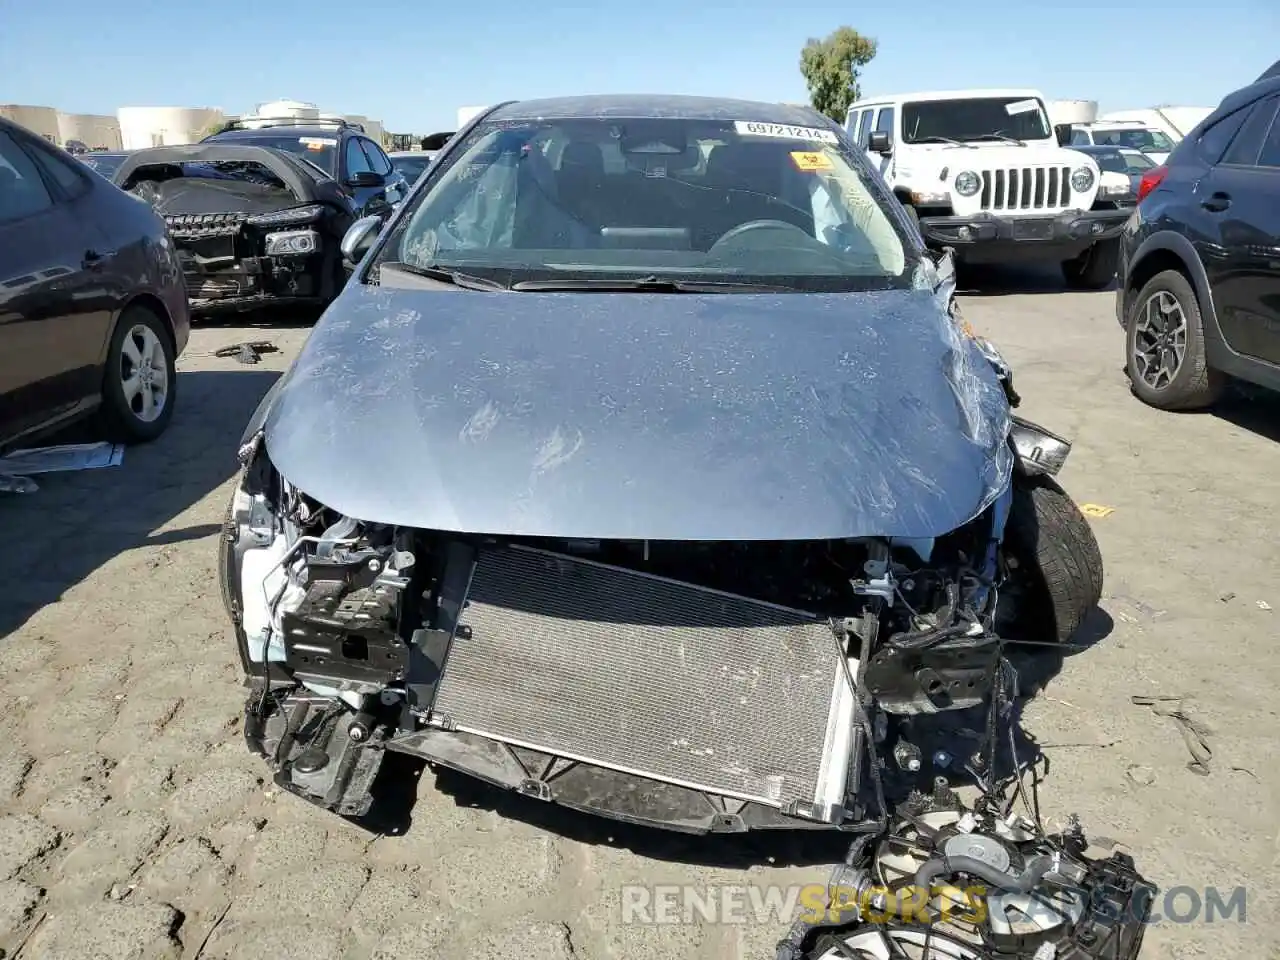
(693, 686)
(252, 226)
(234, 260)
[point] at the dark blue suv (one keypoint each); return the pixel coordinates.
(340, 148)
(1199, 274)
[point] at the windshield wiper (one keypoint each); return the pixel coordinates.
(464, 280)
(946, 140)
(649, 285)
(1000, 136)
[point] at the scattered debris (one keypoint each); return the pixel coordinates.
(1140, 774)
(1096, 510)
(1227, 597)
(1263, 605)
(64, 457)
(1194, 733)
(249, 352)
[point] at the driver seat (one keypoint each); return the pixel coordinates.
(749, 181)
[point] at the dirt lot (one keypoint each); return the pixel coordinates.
(135, 824)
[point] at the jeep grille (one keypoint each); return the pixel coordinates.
(1026, 188)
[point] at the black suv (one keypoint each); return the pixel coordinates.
(1199, 277)
(340, 148)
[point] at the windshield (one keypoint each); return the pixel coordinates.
(411, 167)
(596, 199)
(318, 150)
(106, 164)
(1135, 139)
(976, 118)
(1122, 161)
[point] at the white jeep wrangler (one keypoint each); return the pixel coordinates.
(983, 173)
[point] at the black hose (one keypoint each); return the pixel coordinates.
(946, 866)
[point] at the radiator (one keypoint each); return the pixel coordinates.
(651, 677)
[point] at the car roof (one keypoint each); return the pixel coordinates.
(977, 92)
(657, 106)
(286, 129)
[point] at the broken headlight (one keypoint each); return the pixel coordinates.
(292, 243)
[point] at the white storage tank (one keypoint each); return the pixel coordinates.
(92, 130)
(144, 127)
(466, 113)
(1072, 111)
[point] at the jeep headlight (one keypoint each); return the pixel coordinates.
(291, 243)
(1082, 179)
(968, 183)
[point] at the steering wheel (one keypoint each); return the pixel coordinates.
(733, 233)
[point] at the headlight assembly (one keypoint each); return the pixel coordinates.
(968, 183)
(303, 214)
(1082, 179)
(292, 243)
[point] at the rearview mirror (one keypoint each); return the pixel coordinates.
(359, 238)
(366, 178)
(880, 142)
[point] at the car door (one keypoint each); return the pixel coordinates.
(1240, 196)
(52, 304)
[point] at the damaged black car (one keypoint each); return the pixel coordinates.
(643, 467)
(253, 226)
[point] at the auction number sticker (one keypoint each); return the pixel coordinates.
(811, 162)
(784, 131)
(317, 143)
(1021, 106)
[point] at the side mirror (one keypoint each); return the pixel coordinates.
(1063, 132)
(880, 142)
(359, 238)
(366, 178)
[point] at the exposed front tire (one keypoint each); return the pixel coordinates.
(139, 378)
(1165, 357)
(1094, 268)
(1055, 564)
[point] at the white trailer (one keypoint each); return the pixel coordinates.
(1174, 122)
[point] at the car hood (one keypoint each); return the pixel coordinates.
(643, 416)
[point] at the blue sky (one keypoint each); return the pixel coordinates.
(413, 64)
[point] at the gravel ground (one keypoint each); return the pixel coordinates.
(134, 824)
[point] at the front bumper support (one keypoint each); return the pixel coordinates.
(1072, 230)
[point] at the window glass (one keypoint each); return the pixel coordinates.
(22, 191)
(884, 122)
(706, 200)
(975, 118)
(378, 161)
(1213, 142)
(1270, 156)
(357, 162)
(1080, 138)
(1247, 145)
(71, 181)
(319, 151)
(864, 127)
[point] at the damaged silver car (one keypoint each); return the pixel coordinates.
(643, 467)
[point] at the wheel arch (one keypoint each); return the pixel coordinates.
(1167, 250)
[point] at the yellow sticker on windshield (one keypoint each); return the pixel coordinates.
(811, 162)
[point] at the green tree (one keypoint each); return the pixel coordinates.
(831, 68)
